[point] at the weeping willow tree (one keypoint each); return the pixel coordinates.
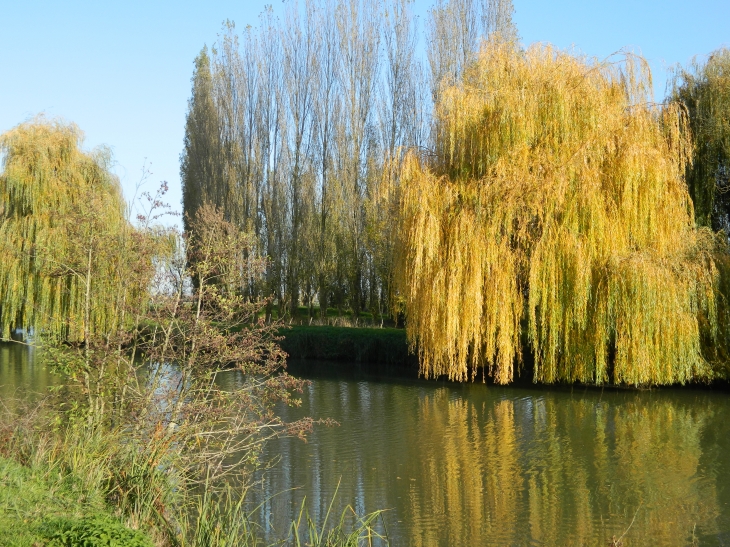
(63, 234)
(554, 205)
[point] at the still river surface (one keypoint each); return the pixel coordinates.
(484, 465)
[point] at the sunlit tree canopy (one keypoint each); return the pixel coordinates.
(554, 205)
(62, 224)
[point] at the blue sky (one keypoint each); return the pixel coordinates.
(121, 70)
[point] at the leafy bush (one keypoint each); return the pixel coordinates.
(94, 531)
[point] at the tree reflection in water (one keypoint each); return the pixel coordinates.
(558, 470)
(485, 465)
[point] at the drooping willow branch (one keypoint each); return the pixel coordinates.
(556, 202)
(63, 234)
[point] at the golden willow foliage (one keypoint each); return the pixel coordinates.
(555, 201)
(62, 234)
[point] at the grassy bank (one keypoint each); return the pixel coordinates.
(358, 345)
(44, 505)
(86, 484)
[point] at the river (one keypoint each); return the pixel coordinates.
(476, 465)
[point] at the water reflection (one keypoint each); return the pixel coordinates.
(558, 470)
(478, 465)
(22, 375)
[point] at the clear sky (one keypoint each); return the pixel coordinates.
(121, 70)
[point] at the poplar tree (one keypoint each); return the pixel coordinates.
(200, 161)
(300, 56)
(359, 43)
(327, 110)
(453, 36)
(271, 114)
(497, 19)
(295, 131)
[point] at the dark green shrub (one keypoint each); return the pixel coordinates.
(355, 345)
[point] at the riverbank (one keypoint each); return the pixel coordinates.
(88, 485)
(384, 351)
(385, 346)
(40, 505)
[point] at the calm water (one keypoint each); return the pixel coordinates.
(480, 465)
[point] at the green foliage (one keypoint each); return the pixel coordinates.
(62, 223)
(360, 345)
(94, 531)
(44, 500)
(703, 89)
(71, 467)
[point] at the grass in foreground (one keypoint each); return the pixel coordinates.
(46, 507)
(70, 487)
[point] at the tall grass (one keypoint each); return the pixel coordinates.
(68, 478)
(350, 530)
(218, 519)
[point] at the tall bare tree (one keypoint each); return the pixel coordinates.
(271, 124)
(497, 19)
(359, 42)
(453, 33)
(327, 107)
(295, 131)
(300, 56)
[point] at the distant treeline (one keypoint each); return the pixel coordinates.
(490, 191)
(295, 130)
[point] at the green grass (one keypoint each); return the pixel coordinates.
(42, 505)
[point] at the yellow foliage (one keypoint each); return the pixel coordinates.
(555, 204)
(62, 231)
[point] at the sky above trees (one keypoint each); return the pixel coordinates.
(122, 71)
